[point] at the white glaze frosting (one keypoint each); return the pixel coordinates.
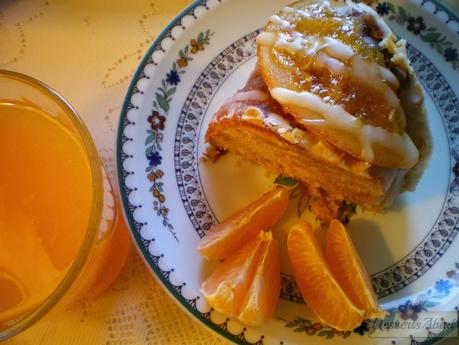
(282, 23)
(333, 65)
(294, 11)
(266, 38)
(336, 49)
(336, 117)
(295, 42)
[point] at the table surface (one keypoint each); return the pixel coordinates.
(88, 51)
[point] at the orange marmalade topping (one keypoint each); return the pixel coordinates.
(312, 45)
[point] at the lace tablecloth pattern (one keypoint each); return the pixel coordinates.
(88, 51)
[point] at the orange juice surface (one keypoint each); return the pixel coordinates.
(45, 202)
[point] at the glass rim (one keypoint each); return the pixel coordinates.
(96, 205)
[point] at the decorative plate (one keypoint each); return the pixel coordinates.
(172, 198)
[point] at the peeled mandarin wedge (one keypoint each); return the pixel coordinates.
(227, 286)
(261, 299)
(318, 287)
(226, 237)
(348, 269)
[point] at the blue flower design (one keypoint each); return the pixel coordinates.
(173, 77)
(416, 25)
(450, 54)
(154, 158)
(382, 8)
(456, 169)
(409, 310)
(443, 286)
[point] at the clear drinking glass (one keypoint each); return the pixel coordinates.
(105, 243)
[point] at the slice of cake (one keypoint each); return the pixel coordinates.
(333, 102)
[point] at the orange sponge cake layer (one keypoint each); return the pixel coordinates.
(263, 147)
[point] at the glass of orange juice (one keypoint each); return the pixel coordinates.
(62, 238)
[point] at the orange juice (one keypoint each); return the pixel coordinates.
(45, 205)
(62, 238)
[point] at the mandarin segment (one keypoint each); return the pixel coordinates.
(226, 287)
(349, 271)
(226, 237)
(261, 299)
(317, 285)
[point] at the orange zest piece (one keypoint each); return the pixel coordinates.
(263, 294)
(226, 287)
(319, 288)
(349, 271)
(226, 237)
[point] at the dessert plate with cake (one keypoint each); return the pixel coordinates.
(290, 171)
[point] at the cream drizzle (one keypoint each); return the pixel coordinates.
(294, 42)
(282, 23)
(337, 49)
(335, 66)
(337, 117)
(295, 11)
(308, 45)
(266, 38)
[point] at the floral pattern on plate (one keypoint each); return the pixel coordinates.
(139, 120)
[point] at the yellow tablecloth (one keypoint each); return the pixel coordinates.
(88, 50)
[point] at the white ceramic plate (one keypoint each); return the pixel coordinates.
(171, 198)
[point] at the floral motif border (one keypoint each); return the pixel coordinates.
(187, 134)
(154, 118)
(418, 26)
